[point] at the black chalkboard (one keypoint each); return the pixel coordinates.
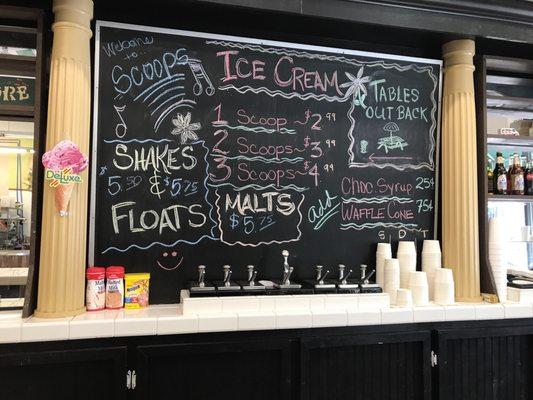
(217, 150)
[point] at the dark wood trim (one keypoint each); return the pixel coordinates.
(509, 20)
(18, 29)
(13, 57)
(510, 10)
(20, 13)
(509, 64)
(486, 279)
(17, 111)
(39, 128)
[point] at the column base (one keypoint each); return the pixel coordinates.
(475, 299)
(59, 314)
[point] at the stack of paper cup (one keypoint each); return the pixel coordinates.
(407, 257)
(431, 262)
(444, 287)
(383, 253)
(404, 298)
(391, 279)
(498, 256)
(418, 283)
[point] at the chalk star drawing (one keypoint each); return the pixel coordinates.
(356, 87)
(392, 142)
(184, 128)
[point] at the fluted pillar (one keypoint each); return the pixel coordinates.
(460, 235)
(63, 238)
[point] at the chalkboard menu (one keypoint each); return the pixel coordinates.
(216, 150)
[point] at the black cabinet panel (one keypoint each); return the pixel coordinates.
(487, 364)
(226, 370)
(96, 373)
(373, 366)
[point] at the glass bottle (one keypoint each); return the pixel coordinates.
(529, 180)
(500, 176)
(490, 176)
(509, 181)
(517, 177)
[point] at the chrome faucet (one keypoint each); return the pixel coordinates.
(251, 275)
(343, 279)
(227, 275)
(287, 276)
(319, 277)
(201, 276)
(363, 272)
(285, 254)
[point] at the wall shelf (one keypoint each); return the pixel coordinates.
(514, 141)
(510, 197)
(511, 103)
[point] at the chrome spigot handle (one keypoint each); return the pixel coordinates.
(367, 278)
(341, 272)
(345, 280)
(251, 280)
(227, 270)
(287, 276)
(201, 275)
(285, 254)
(318, 272)
(227, 279)
(250, 272)
(321, 282)
(363, 272)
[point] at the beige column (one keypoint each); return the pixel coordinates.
(63, 239)
(460, 236)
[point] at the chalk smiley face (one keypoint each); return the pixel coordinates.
(168, 258)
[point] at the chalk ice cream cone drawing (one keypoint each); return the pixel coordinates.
(65, 161)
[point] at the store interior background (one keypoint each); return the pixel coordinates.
(342, 24)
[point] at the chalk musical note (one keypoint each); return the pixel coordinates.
(199, 74)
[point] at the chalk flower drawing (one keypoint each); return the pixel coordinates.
(356, 87)
(184, 128)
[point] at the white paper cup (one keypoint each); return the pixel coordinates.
(444, 293)
(404, 298)
(418, 278)
(383, 252)
(431, 246)
(420, 295)
(384, 248)
(406, 247)
(391, 278)
(380, 268)
(444, 275)
(407, 265)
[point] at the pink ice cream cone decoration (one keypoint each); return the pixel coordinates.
(63, 163)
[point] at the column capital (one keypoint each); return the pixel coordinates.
(459, 66)
(458, 53)
(74, 13)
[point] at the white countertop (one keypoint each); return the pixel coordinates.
(170, 320)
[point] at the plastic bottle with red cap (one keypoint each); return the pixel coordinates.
(114, 297)
(96, 290)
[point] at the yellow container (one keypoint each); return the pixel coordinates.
(136, 290)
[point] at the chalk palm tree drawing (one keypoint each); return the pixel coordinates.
(184, 128)
(356, 87)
